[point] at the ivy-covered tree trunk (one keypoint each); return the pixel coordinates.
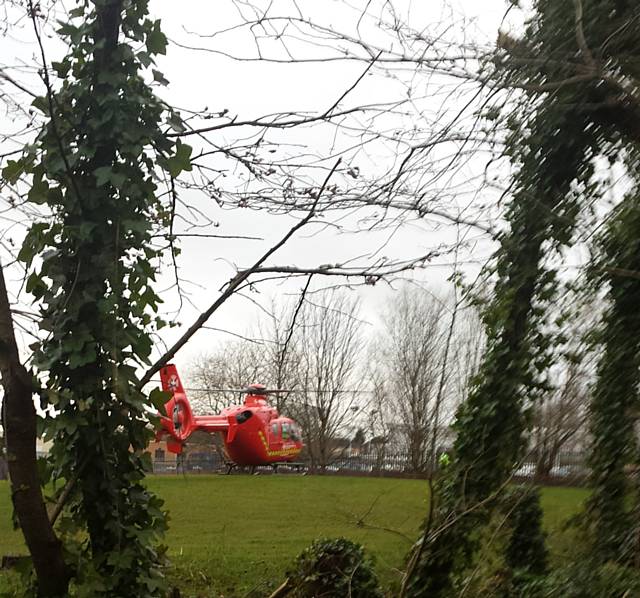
(573, 63)
(615, 400)
(96, 166)
(490, 424)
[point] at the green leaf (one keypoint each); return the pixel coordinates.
(76, 12)
(110, 77)
(33, 242)
(67, 29)
(175, 122)
(61, 68)
(42, 104)
(34, 282)
(158, 398)
(156, 40)
(159, 77)
(118, 179)
(102, 175)
(144, 58)
(12, 171)
(85, 230)
(106, 174)
(39, 192)
(44, 471)
(181, 160)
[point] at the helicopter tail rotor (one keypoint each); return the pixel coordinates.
(177, 421)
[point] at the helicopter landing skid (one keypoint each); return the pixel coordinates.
(298, 466)
(231, 466)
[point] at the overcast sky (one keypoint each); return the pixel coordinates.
(201, 78)
(205, 77)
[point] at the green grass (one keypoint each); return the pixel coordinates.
(230, 535)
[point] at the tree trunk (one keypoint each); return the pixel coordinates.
(20, 436)
(3, 468)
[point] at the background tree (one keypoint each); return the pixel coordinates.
(234, 365)
(425, 355)
(330, 344)
(281, 348)
(467, 349)
(560, 419)
(380, 414)
(410, 355)
(267, 354)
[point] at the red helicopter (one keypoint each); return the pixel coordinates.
(254, 434)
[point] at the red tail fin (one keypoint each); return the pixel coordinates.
(178, 422)
(170, 379)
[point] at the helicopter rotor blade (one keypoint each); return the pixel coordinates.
(264, 391)
(246, 390)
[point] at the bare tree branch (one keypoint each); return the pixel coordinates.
(231, 287)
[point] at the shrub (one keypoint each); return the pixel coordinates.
(332, 568)
(526, 551)
(585, 579)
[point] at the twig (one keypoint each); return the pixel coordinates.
(293, 320)
(66, 492)
(21, 87)
(233, 284)
(47, 82)
(581, 39)
(283, 589)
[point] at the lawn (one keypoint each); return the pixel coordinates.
(236, 535)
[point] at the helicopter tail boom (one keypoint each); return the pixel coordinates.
(179, 422)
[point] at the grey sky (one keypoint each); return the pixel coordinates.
(201, 79)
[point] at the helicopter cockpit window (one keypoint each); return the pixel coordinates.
(285, 431)
(295, 432)
(274, 429)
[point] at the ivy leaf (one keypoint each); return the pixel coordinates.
(41, 104)
(76, 13)
(175, 122)
(106, 174)
(44, 471)
(159, 77)
(12, 171)
(158, 398)
(34, 284)
(144, 58)
(181, 160)
(102, 175)
(85, 230)
(156, 40)
(79, 358)
(39, 192)
(110, 78)
(33, 242)
(61, 68)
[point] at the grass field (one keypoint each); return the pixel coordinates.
(236, 535)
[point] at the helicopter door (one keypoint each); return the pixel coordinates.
(275, 433)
